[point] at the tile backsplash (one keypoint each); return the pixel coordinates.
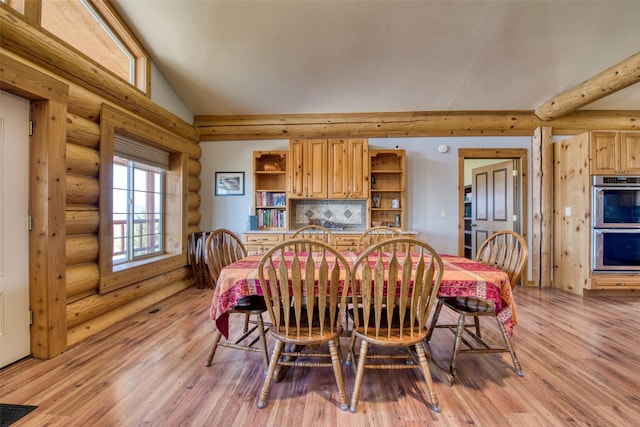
(344, 214)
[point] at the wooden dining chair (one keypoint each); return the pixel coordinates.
(394, 303)
(506, 251)
(305, 295)
(196, 256)
(224, 247)
(374, 235)
(315, 232)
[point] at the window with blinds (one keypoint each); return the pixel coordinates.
(138, 200)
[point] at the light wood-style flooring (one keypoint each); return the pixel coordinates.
(580, 356)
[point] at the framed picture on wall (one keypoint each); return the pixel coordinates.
(229, 183)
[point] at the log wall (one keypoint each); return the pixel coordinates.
(87, 311)
(32, 65)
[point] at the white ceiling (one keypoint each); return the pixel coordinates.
(289, 57)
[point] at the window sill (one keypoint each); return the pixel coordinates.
(136, 271)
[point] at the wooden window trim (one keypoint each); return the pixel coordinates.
(142, 63)
(32, 12)
(113, 277)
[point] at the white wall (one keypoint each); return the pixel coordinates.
(231, 212)
(162, 93)
(432, 182)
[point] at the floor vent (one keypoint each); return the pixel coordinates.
(158, 309)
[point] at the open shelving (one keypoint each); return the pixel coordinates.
(468, 205)
(387, 200)
(270, 189)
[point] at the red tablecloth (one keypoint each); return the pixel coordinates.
(461, 277)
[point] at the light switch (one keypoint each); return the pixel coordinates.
(567, 211)
(443, 213)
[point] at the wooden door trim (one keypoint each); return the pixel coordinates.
(47, 281)
(491, 153)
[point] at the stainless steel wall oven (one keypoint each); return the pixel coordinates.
(616, 223)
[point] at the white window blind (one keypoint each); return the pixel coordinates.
(138, 151)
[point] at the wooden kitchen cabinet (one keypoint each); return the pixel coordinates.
(388, 199)
(576, 159)
(269, 188)
(348, 168)
(328, 169)
(347, 242)
(615, 153)
(259, 243)
(618, 282)
(307, 169)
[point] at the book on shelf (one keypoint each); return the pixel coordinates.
(270, 198)
(271, 218)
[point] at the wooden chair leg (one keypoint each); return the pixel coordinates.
(246, 323)
(337, 371)
(216, 339)
(264, 393)
(424, 367)
(456, 346)
(263, 339)
(362, 356)
(434, 320)
(507, 341)
(476, 322)
(350, 352)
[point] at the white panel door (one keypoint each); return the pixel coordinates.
(493, 208)
(14, 230)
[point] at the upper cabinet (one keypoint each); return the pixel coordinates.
(328, 168)
(615, 153)
(307, 168)
(348, 168)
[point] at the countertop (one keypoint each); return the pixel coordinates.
(336, 231)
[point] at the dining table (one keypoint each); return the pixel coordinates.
(462, 277)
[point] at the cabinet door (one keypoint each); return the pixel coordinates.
(338, 176)
(295, 168)
(358, 162)
(348, 168)
(316, 169)
(605, 153)
(630, 152)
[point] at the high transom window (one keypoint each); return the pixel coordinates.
(94, 29)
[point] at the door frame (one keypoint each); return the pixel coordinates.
(494, 153)
(47, 198)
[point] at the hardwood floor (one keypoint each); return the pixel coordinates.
(580, 356)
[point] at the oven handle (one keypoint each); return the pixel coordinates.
(613, 187)
(635, 230)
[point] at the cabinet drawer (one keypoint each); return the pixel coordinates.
(350, 239)
(256, 249)
(615, 282)
(347, 242)
(262, 238)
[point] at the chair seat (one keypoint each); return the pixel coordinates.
(469, 305)
(251, 303)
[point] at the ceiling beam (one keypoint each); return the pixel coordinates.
(613, 79)
(406, 124)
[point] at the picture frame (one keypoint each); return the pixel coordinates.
(229, 184)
